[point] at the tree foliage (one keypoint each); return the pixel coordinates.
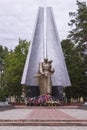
(75, 63)
(75, 51)
(13, 69)
(3, 51)
(79, 23)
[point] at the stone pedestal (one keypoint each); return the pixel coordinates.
(33, 91)
(57, 91)
(60, 92)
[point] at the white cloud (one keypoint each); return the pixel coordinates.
(17, 18)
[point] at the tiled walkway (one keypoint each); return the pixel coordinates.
(59, 114)
(32, 116)
(76, 113)
(49, 114)
(15, 114)
(41, 128)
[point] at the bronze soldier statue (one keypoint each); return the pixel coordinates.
(44, 76)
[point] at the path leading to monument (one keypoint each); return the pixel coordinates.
(36, 113)
(49, 114)
(43, 117)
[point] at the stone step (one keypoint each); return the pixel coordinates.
(46, 107)
(43, 122)
(40, 120)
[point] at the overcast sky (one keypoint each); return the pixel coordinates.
(17, 18)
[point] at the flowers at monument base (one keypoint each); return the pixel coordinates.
(42, 100)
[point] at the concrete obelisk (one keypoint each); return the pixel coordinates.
(45, 44)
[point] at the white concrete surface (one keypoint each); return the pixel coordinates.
(23, 113)
(15, 113)
(76, 113)
(41, 128)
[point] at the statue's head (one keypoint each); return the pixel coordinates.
(45, 60)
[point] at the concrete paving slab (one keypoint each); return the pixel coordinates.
(49, 114)
(41, 128)
(43, 117)
(15, 114)
(76, 113)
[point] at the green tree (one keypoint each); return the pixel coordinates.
(78, 36)
(13, 69)
(3, 52)
(74, 63)
(79, 24)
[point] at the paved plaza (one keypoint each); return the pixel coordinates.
(44, 115)
(41, 128)
(55, 114)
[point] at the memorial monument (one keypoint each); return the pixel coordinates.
(45, 69)
(44, 77)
